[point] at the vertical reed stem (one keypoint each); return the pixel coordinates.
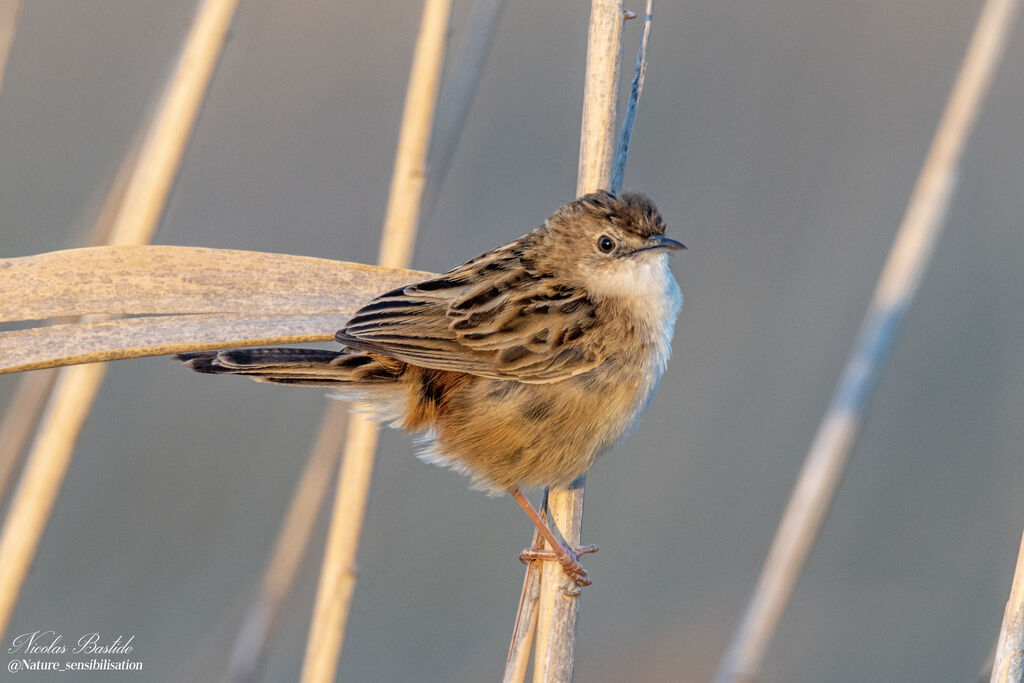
(559, 599)
(338, 574)
(292, 540)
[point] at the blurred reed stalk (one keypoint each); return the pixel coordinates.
(20, 418)
(894, 293)
(1008, 666)
(338, 573)
(458, 89)
(262, 616)
(34, 388)
(28, 398)
(9, 10)
(135, 223)
(456, 95)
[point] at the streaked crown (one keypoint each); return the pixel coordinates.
(630, 212)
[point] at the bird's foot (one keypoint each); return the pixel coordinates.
(567, 558)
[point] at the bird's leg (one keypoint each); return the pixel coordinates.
(566, 557)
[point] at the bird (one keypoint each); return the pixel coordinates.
(517, 368)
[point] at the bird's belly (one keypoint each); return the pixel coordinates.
(505, 433)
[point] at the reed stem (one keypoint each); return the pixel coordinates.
(897, 286)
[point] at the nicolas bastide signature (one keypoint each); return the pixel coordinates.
(53, 643)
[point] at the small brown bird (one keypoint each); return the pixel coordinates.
(519, 367)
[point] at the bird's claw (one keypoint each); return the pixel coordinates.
(567, 558)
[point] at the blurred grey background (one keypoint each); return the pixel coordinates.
(780, 140)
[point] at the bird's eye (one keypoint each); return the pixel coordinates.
(605, 243)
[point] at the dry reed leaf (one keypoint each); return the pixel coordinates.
(205, 298)
(162, 280)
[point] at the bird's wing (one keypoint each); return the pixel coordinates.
(494, 317)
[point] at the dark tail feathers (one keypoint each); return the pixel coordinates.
(306, 367)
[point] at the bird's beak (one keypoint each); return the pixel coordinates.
(660, 242)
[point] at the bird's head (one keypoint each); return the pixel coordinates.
(612, 245)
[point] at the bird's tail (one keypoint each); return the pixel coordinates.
(306, 367)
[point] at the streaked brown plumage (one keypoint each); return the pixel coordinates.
(520, 366)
